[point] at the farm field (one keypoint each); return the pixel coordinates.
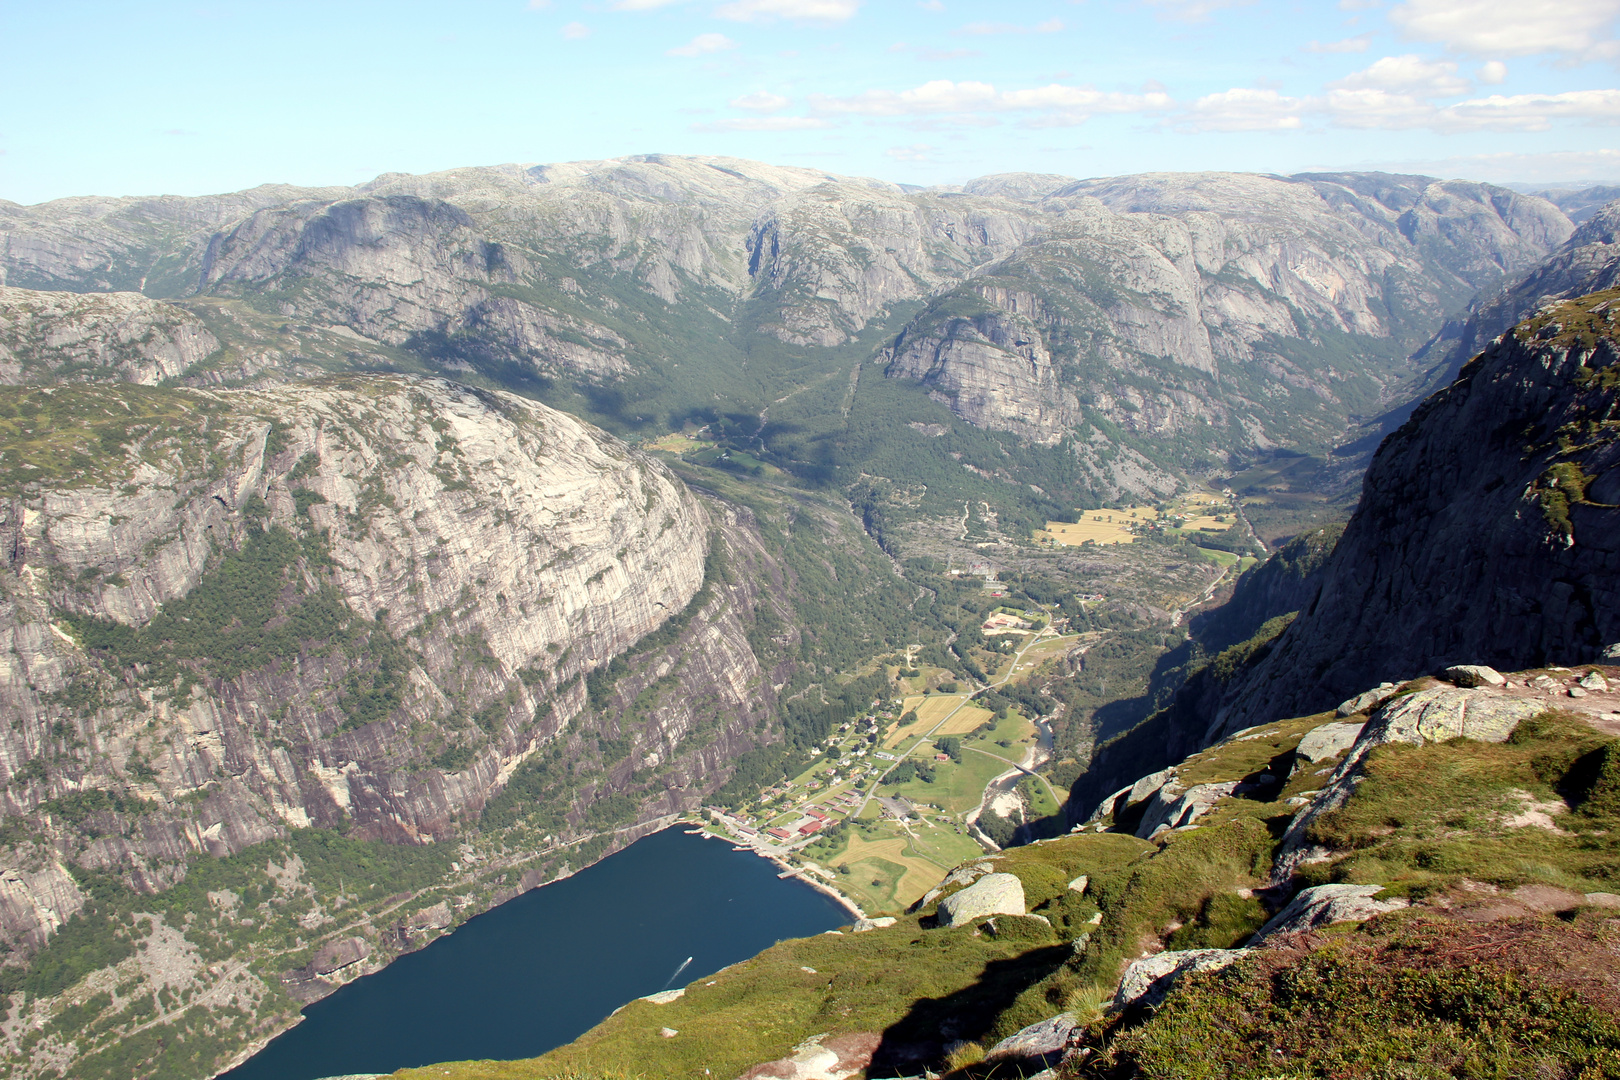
(889, 873)
(956, 789)
(930, 710)
(1101, 526)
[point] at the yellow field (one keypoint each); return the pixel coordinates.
(676, 443)
(1101, 526)
(920, 874)
(930, 710)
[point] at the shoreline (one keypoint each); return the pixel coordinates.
(788, 870)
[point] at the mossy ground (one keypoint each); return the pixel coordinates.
(1445, 988)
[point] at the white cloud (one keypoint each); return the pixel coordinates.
(1408, 74)
(1244, 109)
(576, 30)
(639, 5)
(1050, 26)
(1380, 109)
(915, 152)
(760, 101)
(1192, 10)
(702, 45)
(1583, 29)
(1347, 45)
(764, 123)
(1532, 112)
(931, 5)
(942, 97)
(1491, 73)
(802, 10)
(539, 5)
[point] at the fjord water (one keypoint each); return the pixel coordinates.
(541, 969)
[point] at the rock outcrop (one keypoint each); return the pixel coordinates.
(448, 565)
(1104, 316)
(992, 894)
(71, 337)
(1488, 530)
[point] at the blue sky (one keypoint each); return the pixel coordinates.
(187, 98)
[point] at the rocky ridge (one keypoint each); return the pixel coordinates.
(1108, 316)
(1109, 945)
(56, 337)
(1486, 531)
(376, 607)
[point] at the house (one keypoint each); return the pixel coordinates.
(780, 834)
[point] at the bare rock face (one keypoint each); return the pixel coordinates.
(1488, 530)
(362, 602)
(1147, 981)
(1163, 303)
(70, 337)
(1325, 905)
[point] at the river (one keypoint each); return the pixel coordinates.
(541, 969)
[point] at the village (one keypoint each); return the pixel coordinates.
(895, 799)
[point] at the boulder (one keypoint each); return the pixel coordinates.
(1036, 1046)
(1324, 905)
(1148, 785)
(1594, 680)
(664, 997)
(993, 894)
(1079, 884)
(879, 923)
(1172, 808)
(821, 1057)
(1440, 714)
(1367, 701)
(1603, 899)
(1612, 652)
(1328, 741)
(1471, 675)
(1150, 979)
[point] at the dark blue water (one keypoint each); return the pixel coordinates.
(540, 970)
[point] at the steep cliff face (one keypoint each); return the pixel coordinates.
(1587, 262)
(1488, 530)
(1243, 311)
(60, 336)
(360, 602)
(1168, 322)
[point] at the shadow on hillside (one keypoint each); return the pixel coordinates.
(921, 1036)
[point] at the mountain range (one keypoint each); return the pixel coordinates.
(468, 526)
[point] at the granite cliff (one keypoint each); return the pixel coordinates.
(1488, 530)
(392, 612)
(1149, 325)
(1236, 311)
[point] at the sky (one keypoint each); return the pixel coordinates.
(155, 97)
